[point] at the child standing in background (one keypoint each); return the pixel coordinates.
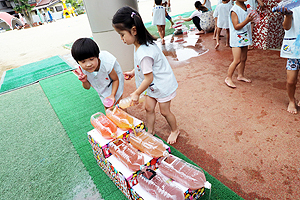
(98, 69)
(207, 4)
(240, 38)
(159, 13)
(222, 13)
(291, 50)
(152, 70)
(167, 5)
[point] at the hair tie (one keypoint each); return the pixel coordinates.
(132, 14)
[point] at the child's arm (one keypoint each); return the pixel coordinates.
(288, 18)
(83, 78)
(115, 84)
(261, 3)
(129, 75)
(144, 85)
(235, 20)
(204, 2)
(185, 19)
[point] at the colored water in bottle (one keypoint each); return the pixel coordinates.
(102, 124)
(127, 154)
(182, 172)
(159, 186)
(147, 143)
(123, 120)
(289, 4)
(125, 103)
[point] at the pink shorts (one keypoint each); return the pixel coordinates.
(166, 99)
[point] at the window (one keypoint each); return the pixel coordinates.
(58, 8)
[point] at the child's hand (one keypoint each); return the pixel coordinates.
(134, 98)
(109, 101)
(284, 11)
(250, 17)
(128, 75)
(81, 76)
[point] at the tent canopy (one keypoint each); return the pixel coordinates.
(8, 21)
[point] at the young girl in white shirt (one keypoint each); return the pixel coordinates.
(152, 70)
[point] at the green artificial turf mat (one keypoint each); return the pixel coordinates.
(38, 160)
(74, 106)
(33, 72)
(168, 31)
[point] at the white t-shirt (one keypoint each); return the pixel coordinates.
(222, 13)
(207, 4)
(164, 82)
(243, 36)
(101, 81)
(291, 41)
(196, 13)
(159, 14)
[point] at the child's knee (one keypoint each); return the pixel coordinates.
(291, 82)
(149, 109)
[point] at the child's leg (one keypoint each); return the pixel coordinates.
(196, 21)
(236, 52)
(292, 78)
(170, 117)
(170, 19)
(218, 37)
(215, 31)
(227, 37)
(161, 32)
(241, 66)
(150, 113)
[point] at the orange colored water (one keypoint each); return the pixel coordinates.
(159, 186)
(120, 118)
(106, 127)
(148, 144)
(182, 172)
(127, 154)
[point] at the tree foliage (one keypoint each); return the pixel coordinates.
(22, 6)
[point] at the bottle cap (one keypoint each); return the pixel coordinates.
(108, 102)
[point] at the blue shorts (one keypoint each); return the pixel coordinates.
(293, 64)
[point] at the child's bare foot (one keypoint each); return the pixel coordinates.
(229, 82)
(292, 107)
(214, 38)
(217, 45)
(163, 41)
(200, 32)
(227, 45)
(244, 79)
(173, 137)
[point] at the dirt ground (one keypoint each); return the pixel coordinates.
(244, 137)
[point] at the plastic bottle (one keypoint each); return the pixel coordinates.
(127, 154)
(182, 172)
(159, 186)
(102, 124)
(289, 4)
(123, 120)
(147, 143)
(125, 103)
(256, 15)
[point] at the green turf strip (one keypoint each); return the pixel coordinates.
(38, 160)
(33, 72)
(74, 106)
